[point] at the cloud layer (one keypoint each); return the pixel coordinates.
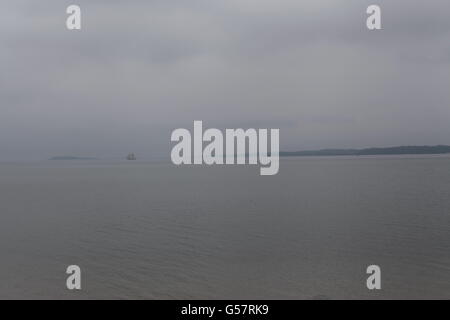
(139, 69)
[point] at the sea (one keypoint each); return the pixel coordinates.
(152, 230)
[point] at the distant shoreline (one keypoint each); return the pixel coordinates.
(402, 150)
(72, 158)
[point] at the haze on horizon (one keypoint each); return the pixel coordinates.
(138, 70)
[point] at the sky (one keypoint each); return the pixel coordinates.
(140, 69)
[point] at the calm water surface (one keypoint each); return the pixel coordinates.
(156, 231)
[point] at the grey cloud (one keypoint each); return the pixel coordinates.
(139, 69)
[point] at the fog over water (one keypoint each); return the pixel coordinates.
(148, 229)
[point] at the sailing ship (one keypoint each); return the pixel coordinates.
(131, 157)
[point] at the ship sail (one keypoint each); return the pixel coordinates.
(131, 156)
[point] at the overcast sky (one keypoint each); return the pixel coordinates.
(139, 69)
